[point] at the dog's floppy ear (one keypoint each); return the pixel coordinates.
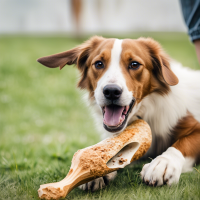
(77, 55)
(160, 61)
(60, 59)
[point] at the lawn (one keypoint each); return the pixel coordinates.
(43, 121)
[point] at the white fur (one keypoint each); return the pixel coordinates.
(165, 168)
(188, 165)
(163, 112)
(112, 76)
(189, 86)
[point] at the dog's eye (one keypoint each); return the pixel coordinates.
(134, 65)
(99, 65)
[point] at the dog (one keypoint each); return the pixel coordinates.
(130, 79)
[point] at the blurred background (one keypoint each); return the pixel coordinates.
(43, 117)
(89, 16)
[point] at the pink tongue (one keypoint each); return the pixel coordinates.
(112, 115)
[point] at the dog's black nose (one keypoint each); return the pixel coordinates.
(112, 92)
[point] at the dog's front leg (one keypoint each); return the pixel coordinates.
(99, 183)
(167, 168)
(164, 169)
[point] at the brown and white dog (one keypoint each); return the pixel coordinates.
(130, 79)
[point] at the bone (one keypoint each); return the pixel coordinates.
(98, 160)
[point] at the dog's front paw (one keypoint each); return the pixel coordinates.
(165, 169)
(98, 183)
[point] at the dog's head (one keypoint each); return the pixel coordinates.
(118, 74)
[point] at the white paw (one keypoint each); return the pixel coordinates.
(164, 169)
(98, 183)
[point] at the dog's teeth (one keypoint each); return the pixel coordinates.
(127, 108)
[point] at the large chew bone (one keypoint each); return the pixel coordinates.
(98, 160)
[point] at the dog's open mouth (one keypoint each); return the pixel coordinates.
(115, 116)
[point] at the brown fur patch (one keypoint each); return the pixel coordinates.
(187, 137)
(152, 75)
(160, 60)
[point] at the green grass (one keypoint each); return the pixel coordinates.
(43, 121)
